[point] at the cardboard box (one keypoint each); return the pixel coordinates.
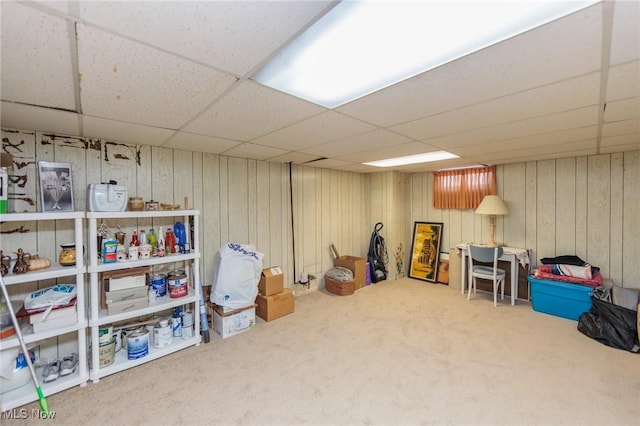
(127, 305)
(126, 294)
(229, 324)
(105, 277)
(128, 282)
(357, 265)
(275, 306)
(271, 281)
(566, 300)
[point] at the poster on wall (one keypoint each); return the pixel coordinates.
(56, 190)
(425, 251)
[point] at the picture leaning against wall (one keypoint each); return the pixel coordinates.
(425, 251)
(56, 190)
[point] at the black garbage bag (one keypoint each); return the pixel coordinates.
(611, 325)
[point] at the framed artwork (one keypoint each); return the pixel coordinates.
(425, 251)
(56, 189)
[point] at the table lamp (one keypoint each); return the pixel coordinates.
(492, 205)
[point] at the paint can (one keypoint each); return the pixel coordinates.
(126, 332)
(138, 344)
(159, 284)
(162, 334)
(107, 352)
(187, 324)
(177, 283)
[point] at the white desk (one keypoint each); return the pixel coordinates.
(510, 254)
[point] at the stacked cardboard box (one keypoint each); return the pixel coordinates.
(125, 290)
(274, 301)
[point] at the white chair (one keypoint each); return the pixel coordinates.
(491, 273)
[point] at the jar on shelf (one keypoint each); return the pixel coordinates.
(67, 256)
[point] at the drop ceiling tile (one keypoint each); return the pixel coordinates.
(36, 58)
(249, 111)
(328, 163)
(540, 156)
(121, 131)
(294, 157)
(380, 138)
(562, 96)
(389, 152)
(19, 116)
(563, 121)
(231, 36)
(619, 128)
(620, 143)
(254, 152)
(541, 141)
(548, 151)
(627, 109)
(123, 80)
(199, 143)
(557, 51)
(326, 127)
(625, 38)
(623, 81)
(437, 165)
(359, 168)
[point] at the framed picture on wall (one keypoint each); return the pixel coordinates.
(56, 189)
(425, 251)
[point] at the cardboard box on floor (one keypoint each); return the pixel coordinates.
(229, 324)
(271, 281)
(357, 265)
(276, 305)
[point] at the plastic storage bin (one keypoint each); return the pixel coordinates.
(559, 298)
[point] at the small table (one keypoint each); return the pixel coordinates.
(514, 255)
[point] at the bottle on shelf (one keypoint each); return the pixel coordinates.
(142, 237)
(170, 242)
(152, 239)
(160, 249)
(134, 239)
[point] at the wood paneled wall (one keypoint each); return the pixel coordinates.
(242, 201)
(587, 206)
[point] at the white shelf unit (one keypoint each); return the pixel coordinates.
(26, 394)
(99, 317)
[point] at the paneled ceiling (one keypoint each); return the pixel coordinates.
(177, 75)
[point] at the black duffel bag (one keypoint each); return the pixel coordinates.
(611, 325)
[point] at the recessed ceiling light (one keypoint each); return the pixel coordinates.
(413, 159)
(360, 47)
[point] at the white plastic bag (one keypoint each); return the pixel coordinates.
(51, 297)
(237, 273)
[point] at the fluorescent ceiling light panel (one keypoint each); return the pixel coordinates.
(413, 159)
(360, 47)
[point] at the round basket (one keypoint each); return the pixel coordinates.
(341, 288)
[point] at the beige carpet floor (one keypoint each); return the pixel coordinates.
(400, 352)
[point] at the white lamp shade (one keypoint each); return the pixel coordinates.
(492, 205)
